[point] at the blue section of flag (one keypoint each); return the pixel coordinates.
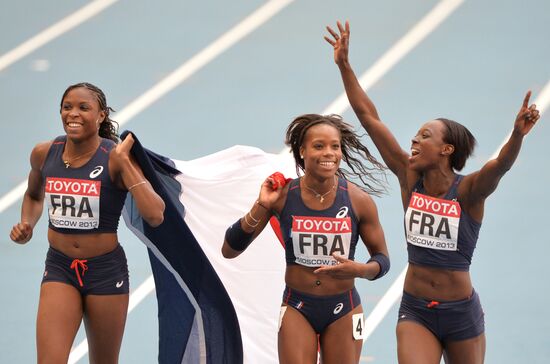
(186, 283)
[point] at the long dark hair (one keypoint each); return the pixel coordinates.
(353, 151)
(460, 137)
(108, 128)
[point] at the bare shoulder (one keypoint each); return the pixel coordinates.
(39, 153)
(361, 201)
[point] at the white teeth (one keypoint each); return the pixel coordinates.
(327, 164)
(414, 151)
(73, 125)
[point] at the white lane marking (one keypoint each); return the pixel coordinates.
(54, 31)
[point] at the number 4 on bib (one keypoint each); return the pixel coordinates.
(358, 326)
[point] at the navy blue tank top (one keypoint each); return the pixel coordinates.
(81, 200)
(439, 233)
(311, 236)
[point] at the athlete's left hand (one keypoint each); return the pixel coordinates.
(345, 269)
(121, 153)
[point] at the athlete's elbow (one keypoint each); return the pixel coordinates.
(155, 218)
(227, 252)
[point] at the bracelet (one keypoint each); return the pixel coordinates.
(137, 184)
(260, 204)
(249, 224)
(252, 217)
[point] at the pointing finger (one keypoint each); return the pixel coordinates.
(526, 99)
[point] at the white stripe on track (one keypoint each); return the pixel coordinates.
(227, 40)
(54, 31)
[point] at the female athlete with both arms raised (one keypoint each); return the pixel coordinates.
(440, 312)
(321, 215)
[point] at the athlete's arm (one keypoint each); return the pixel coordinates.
(395, 158)
(479, 185)
(149, 204)
(33, 200)
(243, 232)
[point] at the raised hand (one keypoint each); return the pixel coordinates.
(268, 194)
(527, 116)
(122, 150)
(21, 232)
(340, 42)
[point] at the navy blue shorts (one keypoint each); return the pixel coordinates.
(105, 274)
(448, 320)
(321, 311)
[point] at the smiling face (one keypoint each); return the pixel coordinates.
(428, 149)
(81, 114)
(321, 150)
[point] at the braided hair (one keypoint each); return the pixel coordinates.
(108, 128)
(353, 151)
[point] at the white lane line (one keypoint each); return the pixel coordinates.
(54, 31)
(407, 43)
(542, 101)
(241, 30)
(245, 27)
(13, 196)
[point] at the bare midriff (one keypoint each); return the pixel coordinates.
(304, 280)
(437, 284)
(83, 245)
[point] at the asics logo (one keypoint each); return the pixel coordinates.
(343, 212)
(338, 308)
(119, 284)
(96, 172)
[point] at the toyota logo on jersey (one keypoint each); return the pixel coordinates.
(73, 203)
(315, 239)
(432, 222)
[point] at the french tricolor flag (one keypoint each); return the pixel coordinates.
(211, 309)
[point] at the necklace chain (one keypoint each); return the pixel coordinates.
(68, 161)
(318, 195)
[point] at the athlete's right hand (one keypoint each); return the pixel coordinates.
(21, 232)
(268, 194)
(340, 42)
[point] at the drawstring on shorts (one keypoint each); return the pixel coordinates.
(82, 264)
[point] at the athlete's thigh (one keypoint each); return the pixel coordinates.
(297, 339)
(338, 345)
(104, 319)
(58, 319)
(416, 344)
(469, 351)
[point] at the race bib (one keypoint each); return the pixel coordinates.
(315, 239)
(73, 203)
(432, 222)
